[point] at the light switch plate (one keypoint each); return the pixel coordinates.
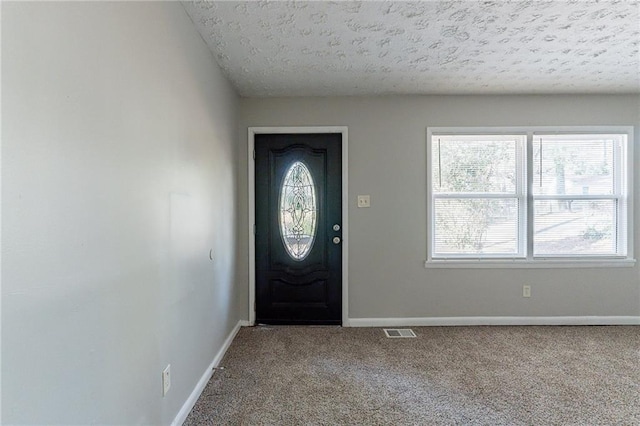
(364, 201)
(166, 380)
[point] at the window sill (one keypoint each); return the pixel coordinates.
(528, 264)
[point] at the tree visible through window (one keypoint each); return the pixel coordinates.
(477, 191)
(575, 195)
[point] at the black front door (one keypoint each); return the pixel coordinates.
(298, 228)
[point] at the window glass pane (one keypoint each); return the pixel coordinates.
(573, 164)
(298, 211)
(575, 227)
(476, 226)
(474, 164)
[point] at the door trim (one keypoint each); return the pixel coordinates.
(252, 210)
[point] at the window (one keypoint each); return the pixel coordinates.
(298, 211)
(528, 194)
(478, 195)
(579, 192)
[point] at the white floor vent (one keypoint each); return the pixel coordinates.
(399, 332)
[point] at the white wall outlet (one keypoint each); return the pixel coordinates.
(166, 379)
(364, 201)
(526, 291)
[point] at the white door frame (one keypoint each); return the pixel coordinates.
(252, 211)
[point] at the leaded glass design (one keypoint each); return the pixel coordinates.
(298, 211)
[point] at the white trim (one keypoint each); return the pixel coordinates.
(252, 131)
(529, 214)
(477, 195)
(624, 196)
(202, 383)
(576, 197)
(431, 228)
(548, 130)
(629, 146)
(470, 321)
(596, 262)
(251, 225)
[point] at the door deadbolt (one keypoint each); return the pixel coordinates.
(336, 227)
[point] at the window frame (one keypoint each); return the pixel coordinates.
(519, 194)
(527, 259)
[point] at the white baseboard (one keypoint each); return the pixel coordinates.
(453, 321)
(191, 401)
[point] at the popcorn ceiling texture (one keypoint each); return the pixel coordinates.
(433, 47)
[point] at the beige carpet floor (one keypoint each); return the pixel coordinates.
(445, 376)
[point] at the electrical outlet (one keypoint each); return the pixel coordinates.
(166, 380)
(526, 291)
(364, 201)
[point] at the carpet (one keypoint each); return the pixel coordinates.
(534, 375)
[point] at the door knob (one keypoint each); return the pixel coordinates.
(336, 240)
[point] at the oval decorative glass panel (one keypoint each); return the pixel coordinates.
(298, 211)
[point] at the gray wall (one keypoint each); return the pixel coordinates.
(387, 159)
(119, 138)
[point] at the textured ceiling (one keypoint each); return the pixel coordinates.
(292, 48)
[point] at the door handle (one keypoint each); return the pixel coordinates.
(336, 240)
